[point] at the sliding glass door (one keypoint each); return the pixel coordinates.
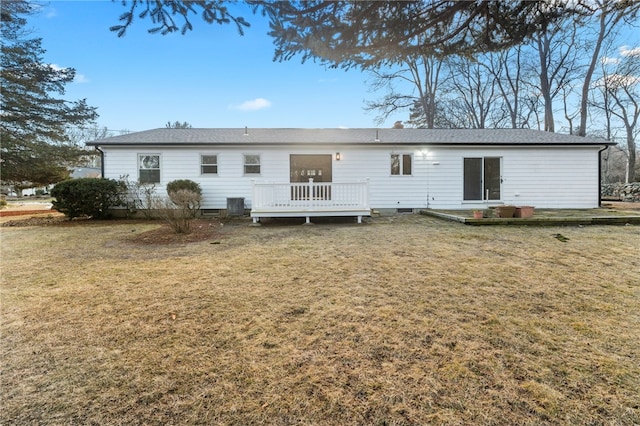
(482, 179)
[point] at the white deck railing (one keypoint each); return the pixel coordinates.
(310, 197)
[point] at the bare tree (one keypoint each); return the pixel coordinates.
(507, 71)
(620, 100)
(556, 65)
(473, 93)
(608, 14)
(626, 98)
(80, 135)
(177, 125)
(422, 75)
(614, 164)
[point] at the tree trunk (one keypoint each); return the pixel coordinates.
(545, 84)
(631, 158)
(586, 84)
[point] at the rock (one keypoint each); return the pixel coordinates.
(627, 192)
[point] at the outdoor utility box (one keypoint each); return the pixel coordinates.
(235, 206)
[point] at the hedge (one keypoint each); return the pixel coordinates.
(87, 197)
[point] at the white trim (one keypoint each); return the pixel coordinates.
(217, 164)
(401, 155)
(244, 164)
(149, 154)
(483, 200)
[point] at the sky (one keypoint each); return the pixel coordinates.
(209, 77)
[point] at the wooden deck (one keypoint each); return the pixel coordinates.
(310, 199)
(546, 217)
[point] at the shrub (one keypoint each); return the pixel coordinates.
(185, 184)
(182, 205)
(87, 197)
(178, 219)
(138, 197)
(186, 195)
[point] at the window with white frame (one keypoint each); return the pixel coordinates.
(209, 164)
(149, 168)
(251, 164)
(401, 164)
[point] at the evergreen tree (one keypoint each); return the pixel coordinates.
(33, 142)
(367, 33)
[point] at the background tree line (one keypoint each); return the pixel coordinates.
(472, 64)
(462, 64)
(569, 74)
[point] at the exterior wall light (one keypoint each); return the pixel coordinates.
(338, 157)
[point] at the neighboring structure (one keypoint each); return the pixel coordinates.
(85, 172)
(354, 170)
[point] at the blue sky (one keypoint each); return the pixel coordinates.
(210, 77)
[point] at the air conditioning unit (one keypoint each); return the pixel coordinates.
(235, 206)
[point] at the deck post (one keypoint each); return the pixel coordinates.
(254, 192)
(366, 192)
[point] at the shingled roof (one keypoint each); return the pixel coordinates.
(267, 136)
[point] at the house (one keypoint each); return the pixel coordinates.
(333, 172)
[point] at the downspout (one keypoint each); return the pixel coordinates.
(600, 174)
(102, 161)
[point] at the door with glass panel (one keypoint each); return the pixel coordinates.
(482, 179)
(304, 167)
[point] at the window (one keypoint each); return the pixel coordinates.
(401, 164)
(149, 168)
(251, 164)
(209, 164)
(482, 178)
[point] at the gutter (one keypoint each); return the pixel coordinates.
(350, 144)
(101, 160)
(600, 174)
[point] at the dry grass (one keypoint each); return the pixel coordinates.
(407, 320)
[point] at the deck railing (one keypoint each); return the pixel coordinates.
(310, 196)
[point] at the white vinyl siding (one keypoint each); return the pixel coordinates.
(551, 177)
(386, 191)
(545, 177)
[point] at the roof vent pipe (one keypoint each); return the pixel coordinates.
(246, 131)
(377, 137)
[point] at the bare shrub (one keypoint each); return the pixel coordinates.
(188, 201)
(179, 209)
(139, 197)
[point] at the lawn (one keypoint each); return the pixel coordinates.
(403, 320)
